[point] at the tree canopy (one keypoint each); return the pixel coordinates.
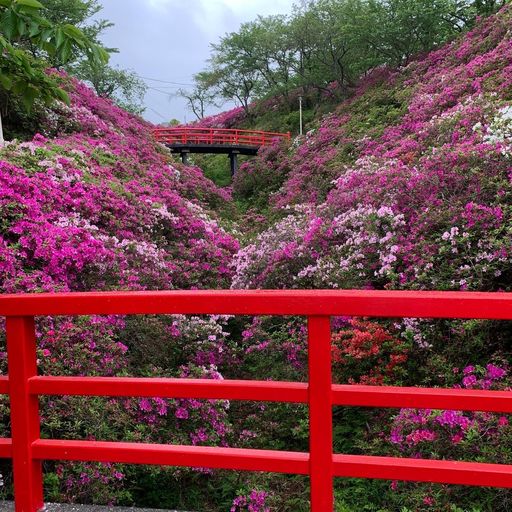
(63, 34)
(25, 33)
(326, 45)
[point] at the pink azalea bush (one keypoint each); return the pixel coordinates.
(406, 186)
(93, 203)
(253, 502)
(422, 432)
(416, 199)
(457, 435)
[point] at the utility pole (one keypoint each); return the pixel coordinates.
(300, 114)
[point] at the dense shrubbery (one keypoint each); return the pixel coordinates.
(422, 203)
(93, 204)
(406, 186)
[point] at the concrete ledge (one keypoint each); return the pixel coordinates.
(8, 506)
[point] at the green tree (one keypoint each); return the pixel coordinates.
(325, 41)
(21, 75)
(80, 14)
(123, 87)
(202, 96)
(325, 37)
(396, 30)
(234, 72)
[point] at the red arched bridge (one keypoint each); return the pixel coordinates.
(24, 386)
(186, 140)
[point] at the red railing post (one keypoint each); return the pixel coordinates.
(25, 422)
(320, 414)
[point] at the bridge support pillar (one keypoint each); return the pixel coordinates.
(233, 160)
(184, 157)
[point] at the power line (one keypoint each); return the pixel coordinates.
(165, 86)
(157, 113)
(167, 93)
(166, 81)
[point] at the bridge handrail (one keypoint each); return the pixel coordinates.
(184, 135)
(220, 130)
(24, 386)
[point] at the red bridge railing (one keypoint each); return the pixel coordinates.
(190, 135)
(24, 386)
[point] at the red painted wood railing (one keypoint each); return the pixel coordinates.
(191, 135)
(24, 386)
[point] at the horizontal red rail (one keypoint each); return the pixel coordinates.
(222, 136)
(24, 387)
(422, 470)
(4, 385)
(397, 304)
(5, 448)
(291, 392)
(163, 454)
(274, 391)
(349, 466)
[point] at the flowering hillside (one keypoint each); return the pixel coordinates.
(407, 185)
(95, 204)
(92, 203)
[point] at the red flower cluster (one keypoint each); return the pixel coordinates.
(366, 353)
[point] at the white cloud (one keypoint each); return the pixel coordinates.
(252, 7)
(215, 17)
(245, 9)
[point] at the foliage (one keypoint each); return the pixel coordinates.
(124, 87)
(78, 13)
(325, 46)
(23, 77)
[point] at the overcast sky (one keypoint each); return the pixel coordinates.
(169, 40)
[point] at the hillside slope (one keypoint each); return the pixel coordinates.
(93, 203)
(96, 204)
(406, 186)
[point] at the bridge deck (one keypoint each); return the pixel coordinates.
(214, 137)
(213, 148)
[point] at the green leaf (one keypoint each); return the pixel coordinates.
(30, 3)
(59, 38)
(29, 97)
(65, 51)
(101, 55)
(35, 29)
(22, 27)
(62, 95)
(5, 82)
(73, 32)
(9, 24)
